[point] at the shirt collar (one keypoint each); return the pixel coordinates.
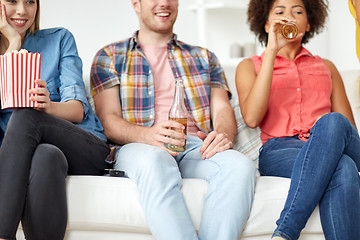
(134, 41)
(303, 52)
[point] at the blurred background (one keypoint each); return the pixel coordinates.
(219, 25)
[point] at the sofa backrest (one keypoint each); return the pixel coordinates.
(248, 140)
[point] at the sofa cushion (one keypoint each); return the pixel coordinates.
(270, 196)
(112, 204)
(247, 140)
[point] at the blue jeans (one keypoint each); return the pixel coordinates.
(158, 176)
(324, 171)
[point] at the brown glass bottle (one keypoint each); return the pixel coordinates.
(178, 113)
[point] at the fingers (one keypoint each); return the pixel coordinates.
(174, 154)
(281, 21)
(3, 20)
(161, 141)
(172, 124)
(214, 143)
(3, 13)
(40, 94)
(172, 130)
(167, 132)
(201, 135)
(41, 83)
(165, 139)
(41, 87)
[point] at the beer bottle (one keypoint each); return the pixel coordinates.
(178, 113)
(289, 30)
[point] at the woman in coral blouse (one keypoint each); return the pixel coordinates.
(60, 136)
(307, 127)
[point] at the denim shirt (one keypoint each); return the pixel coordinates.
(61, 68)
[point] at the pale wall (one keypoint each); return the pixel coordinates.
(96, 23)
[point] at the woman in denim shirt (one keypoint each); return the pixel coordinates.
(41, 146)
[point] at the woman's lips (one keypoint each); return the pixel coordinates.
(19, 22)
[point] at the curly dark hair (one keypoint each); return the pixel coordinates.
(258, 13)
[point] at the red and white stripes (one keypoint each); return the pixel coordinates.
(18, 73)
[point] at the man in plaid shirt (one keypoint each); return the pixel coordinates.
(133, 83)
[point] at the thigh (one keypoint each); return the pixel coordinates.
(28, 128)
(138, 160)
(84, 152)
(192, 165)
(278, 155)
(230, 161)
(4, 119)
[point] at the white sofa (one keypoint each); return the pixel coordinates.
(107, 208)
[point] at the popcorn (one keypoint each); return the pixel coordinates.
(18, 72)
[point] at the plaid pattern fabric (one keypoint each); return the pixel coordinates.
(124, 63)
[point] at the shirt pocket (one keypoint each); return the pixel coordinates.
(281, 79)
(53, 87)
(319, 80)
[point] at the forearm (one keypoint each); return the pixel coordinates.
(72, 110)
(224, 122)
(120, 131)
(255, 105)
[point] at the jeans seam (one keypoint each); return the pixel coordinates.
(301, 178)
(331, 216)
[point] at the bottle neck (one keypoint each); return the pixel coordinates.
(178, 109)
(179, 94)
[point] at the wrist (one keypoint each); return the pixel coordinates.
(49, 109)
(271, 52)
(142, 134)
(229, 135)
(14, 44)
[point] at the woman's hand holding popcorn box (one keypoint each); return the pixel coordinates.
(18, 72)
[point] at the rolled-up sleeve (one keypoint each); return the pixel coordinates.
(218, 79)
(72, 86)
(103, 70)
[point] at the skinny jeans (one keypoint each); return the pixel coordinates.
(158, 176)
(324, 172)
(37, 153)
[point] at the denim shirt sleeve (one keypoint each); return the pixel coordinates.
(70, 71)
(61, 68)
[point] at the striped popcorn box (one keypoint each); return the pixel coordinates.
(18, 72)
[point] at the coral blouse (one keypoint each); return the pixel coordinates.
(300, 93)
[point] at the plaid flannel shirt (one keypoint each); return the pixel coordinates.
(124, 63)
